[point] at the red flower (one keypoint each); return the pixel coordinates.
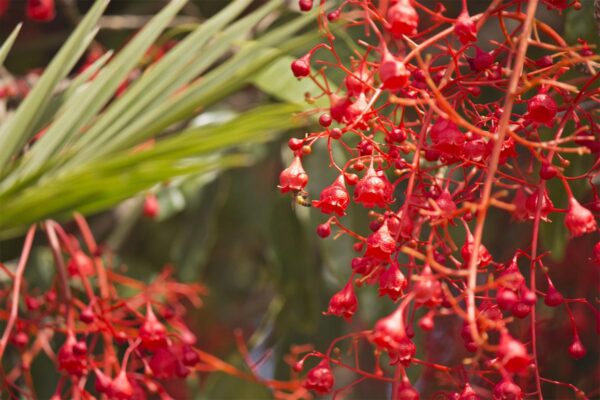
(513, 354)
(392, 72)
(541, 109)
(447, 138)
(402, 19)
(293, 178)
(579, 220)
(392, 282)
(380, 244)
(70, 359)
(467, 251)
(465, 28)
(40, 10)
(344, 303)
(153, 333)
(334, 198)
(320, 378)
(482, 60)
(390, 335)
(373, 189)
(506, 390)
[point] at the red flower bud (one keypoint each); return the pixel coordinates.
(301, 66)
(305, 5)
(151, 206)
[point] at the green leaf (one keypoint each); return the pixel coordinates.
(8, 43)
(101, 90)
(15, 132)
(104, 183)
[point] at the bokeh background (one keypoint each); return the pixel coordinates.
(266, 271)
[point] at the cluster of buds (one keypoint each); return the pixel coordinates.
(430, 128)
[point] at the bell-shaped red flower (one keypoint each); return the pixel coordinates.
(293, 178)
(465, 28)
(392, 282)
(541, 109)
(120, 388)
(447, 138)
(334, 198)
(152, 332)
(402, 19)
(389, 334)
(380, 244)
(579, 220)
(373, 189)
(344, 303)
(320, 378)
(392, 72)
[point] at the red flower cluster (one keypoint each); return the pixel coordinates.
(418, 143)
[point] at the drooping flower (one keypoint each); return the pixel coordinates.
(344, 303)
(293, 178)
(320, 378)
(334, 198)
(373, 189)
(579, 220)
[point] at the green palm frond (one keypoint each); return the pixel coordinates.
(85, 160)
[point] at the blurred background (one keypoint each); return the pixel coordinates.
(266, 271)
